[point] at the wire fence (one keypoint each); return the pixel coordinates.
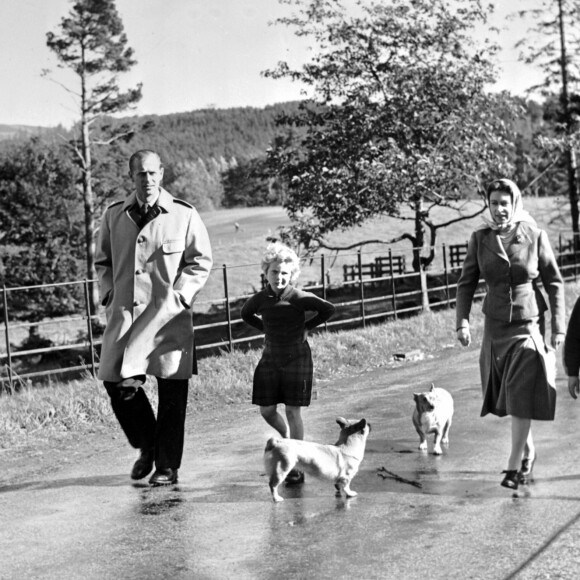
(373, 289)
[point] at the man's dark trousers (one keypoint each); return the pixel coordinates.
(166, 433)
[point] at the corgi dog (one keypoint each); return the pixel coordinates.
(433, 414)
(338, 462)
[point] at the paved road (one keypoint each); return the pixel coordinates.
(88, 520)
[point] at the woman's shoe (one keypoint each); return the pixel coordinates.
(511, 479)
(525, 473)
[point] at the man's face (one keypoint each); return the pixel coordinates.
(147, 174)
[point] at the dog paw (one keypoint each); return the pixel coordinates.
(350, 493)
(423, 446)
(437, 451)
(277, 498)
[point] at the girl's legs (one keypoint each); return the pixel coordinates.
(521, 440)
(274, 419)
(295, 422)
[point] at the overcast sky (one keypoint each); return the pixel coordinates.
(191, 54)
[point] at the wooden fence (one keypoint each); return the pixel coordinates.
(361, 300)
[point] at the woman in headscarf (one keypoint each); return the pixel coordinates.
(517, 367)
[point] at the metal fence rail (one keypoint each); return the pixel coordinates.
(366, 299)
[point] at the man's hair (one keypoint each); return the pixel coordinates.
(277, 252)
(140, 155)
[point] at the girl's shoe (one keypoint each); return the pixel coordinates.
(525, 473)
(511, 479)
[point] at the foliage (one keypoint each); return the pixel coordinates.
(553, 44)
(400, 116)
(40, 217)
(251, 184)
(542, 43)
(199, 183)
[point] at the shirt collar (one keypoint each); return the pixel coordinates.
(283, 295)
(164, 200)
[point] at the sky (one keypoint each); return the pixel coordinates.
(192, 54)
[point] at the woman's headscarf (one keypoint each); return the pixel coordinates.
(519, 214)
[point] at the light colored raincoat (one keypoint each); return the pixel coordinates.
(146, 278)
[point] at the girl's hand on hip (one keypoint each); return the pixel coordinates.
(574, 387)
(464, 336)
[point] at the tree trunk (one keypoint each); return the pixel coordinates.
(88, 197)
(418, 262)
(570, 153)
(89, 204)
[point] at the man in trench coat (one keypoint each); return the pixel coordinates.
(153, 257)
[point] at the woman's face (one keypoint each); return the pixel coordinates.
(501, 207)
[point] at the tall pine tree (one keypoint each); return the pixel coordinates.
(92, 43)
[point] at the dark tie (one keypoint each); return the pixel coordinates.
(143, 211)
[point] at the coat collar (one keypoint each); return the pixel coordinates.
(283, 295)
(164, 201)
(521, 239)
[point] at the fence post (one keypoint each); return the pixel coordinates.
(7, 333)
(90, 328)
(361, 289)
(446, 276)
(393, 291)
(323, 279)
(228, 312)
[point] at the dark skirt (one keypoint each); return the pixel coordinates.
(284, 375)
(518, 370)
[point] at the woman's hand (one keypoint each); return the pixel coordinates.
(574, 387)
(464, 336)
(557, 340)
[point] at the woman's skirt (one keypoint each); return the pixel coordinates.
(518, 370)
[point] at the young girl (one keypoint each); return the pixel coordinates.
(284, 373)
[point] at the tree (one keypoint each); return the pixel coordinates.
(552, 44)
(39, 215)
(250, 184)
(400, 116)
(92, 43)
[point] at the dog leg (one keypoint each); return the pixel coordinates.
(344, 483)
(422, 442)
(275, 481)
(445, 439)
(437, 444)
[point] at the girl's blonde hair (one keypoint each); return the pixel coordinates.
(277, 252)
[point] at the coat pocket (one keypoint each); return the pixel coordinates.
(173, 246)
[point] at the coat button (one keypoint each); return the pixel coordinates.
(136, 302)
(140, 239)
(138, 272)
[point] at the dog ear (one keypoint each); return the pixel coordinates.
(361, 425)
(416, 396)
(432, 386)
(342, 422)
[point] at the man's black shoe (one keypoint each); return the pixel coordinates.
(144, 465)
(165, 476)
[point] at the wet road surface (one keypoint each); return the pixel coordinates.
(427, 517)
